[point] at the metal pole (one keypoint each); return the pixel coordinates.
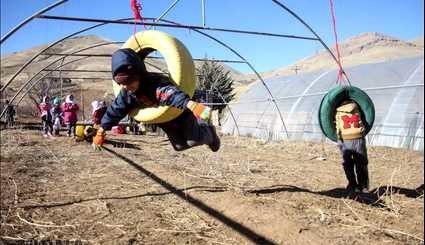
(231, 113)
(82, 100)
(75, 70)
(94, 77)
(174, 25)
(19, 26)
(166, 11)
(314, 33)
(149, 57)
(203, 13)
(60, 75)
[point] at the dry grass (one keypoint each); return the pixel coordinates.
(142, 192)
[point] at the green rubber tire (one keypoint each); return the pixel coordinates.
(334, 98)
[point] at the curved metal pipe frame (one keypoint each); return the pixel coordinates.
(231, 113)
(49, 46)
(44, 75)
(20, 25)
(314, 33)
(77, 51)
(249, 65)
(207, 35)
(101, 24)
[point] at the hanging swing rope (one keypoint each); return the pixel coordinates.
(338, 53)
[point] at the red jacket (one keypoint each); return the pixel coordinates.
(70, 112)
(44, 108)
(98, 114)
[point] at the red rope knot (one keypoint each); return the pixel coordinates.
(136, 7)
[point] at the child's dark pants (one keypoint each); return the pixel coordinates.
(187, 131)
(354, 155)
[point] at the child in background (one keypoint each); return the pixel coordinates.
(10, 113)
(70, 109)
(46, 118)
(57, 116)
(99, 108)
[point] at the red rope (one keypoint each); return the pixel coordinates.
(137, 8)
(336, 42)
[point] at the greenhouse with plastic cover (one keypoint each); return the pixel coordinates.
(395, 87)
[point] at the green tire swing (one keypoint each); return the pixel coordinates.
(334, 98)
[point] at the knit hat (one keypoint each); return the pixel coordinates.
(125, 75)
(56, 101)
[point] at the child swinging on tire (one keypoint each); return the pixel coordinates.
(140, 88)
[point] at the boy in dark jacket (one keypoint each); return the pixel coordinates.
(140, 88)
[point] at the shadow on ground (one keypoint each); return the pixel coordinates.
(373, 198)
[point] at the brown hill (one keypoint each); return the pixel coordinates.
(364, 48)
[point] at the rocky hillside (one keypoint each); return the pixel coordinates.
(364, 48)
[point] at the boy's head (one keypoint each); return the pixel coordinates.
(127, 69)
(128, 78)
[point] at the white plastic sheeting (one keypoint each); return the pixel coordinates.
(395, 87)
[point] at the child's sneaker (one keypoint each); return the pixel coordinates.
(45, 135)
(215, 144)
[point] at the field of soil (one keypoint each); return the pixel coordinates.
(138, 190)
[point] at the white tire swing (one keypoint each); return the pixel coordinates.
(180, 66)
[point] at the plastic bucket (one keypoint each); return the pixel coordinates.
(79, 131)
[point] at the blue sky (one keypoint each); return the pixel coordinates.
(403, 19)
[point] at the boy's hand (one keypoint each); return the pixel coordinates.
(199, 110)
(99, 139)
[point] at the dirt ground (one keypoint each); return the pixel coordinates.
(138, 190)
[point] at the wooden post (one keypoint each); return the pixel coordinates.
(82, 101)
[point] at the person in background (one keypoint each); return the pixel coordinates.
(46, 118)
(9, 114)
(140, 88)
(70, 109)
(99, 108)
(352, 144)
(57, 116)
